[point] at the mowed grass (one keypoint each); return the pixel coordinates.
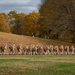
(37, 65)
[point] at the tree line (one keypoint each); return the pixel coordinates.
(19, 23)
(55, 20)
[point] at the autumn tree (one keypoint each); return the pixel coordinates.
(4, 25)
(57, 17)
(31, 24)
(16, 22)
(23, 24)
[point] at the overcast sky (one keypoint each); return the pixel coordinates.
(24, 6)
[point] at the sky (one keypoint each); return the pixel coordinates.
(25, 6)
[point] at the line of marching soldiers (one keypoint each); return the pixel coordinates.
(36, 50)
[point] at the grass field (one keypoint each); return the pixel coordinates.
(8, 38)
(37, 65)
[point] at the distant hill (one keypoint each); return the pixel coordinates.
(8, 38)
